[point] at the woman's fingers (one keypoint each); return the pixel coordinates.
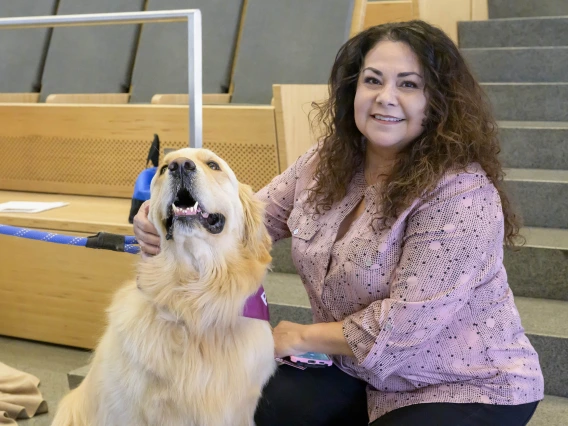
(149, 249)
(145, 232)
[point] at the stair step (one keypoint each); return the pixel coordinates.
(544, 322)
(552, 411)
(518, 64)
(514, 32)
(542, 238)
(526, 8)
(541, 196)
(544, 317)
(534, 145)
(282, 257)
(287, 298)
(75, 377)
(539, 268)
(528, 101)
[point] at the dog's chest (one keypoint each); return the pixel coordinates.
(200, 382)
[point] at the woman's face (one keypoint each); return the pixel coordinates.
(390, 102)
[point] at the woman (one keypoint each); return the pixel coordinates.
(398, 220)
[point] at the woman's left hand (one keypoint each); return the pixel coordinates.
(289, 339)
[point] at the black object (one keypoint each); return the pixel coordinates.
(142, 187)
(106, 241)
(134, 208)
(154, 153)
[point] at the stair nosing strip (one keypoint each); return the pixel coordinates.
(520, 83)
(540, 175)
(520, 18)
(540, 125)
(545, 238)
(519, 48)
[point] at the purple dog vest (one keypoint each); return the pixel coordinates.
(256, 306)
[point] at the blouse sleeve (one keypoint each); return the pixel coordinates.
(279, 196)
(444, 257)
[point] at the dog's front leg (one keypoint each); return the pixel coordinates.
(248, 408)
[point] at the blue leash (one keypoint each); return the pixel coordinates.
(103, 240)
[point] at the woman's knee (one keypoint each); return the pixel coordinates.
(312, 397)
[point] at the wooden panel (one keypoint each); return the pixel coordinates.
(82, 214)
(93, 121)
(88, 98)
(100, 149)
(358, 18)
(445, 14)
(388, 11)
(415, 9)
(58, 293)
(293, 104)
(179, 99)
(19, 97)
(479, 10)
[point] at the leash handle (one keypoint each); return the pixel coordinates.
(114, 242)
(103, 240)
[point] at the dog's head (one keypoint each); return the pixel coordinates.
(196, 197)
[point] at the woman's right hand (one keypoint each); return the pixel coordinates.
(145, 232)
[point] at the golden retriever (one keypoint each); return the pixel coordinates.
(177, 350)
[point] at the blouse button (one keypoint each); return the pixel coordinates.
(295, 231)
(369, 263)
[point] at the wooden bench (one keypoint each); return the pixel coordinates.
(382, 12)
(444, 14)
(179, 99)
(19, 97)
(88, 98)
(90, 156)
(294, 115)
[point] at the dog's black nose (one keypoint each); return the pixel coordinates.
(185, 165)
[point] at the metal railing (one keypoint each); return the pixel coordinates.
(194, 50)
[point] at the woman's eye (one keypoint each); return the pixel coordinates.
(409, 84)
(371, 80)
(213, 165)
(163, 169)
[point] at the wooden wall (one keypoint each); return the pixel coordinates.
(442, 13)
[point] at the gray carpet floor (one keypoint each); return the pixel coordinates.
(49, 363)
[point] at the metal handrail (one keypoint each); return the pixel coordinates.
(194, 47)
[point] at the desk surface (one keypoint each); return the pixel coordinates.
(82, 214)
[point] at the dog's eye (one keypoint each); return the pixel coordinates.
(163, 169)
(213, 165)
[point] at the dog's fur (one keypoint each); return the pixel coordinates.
(176, 351)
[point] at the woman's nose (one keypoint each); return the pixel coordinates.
(386, 95)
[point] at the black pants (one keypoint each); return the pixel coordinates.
(329, 397)
(448, 414)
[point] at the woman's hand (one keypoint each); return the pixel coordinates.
(297, 339)
(288, 339)
(145, 232)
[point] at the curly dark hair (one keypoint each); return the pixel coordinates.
(459, 127)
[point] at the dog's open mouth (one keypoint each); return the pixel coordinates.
(185, 209)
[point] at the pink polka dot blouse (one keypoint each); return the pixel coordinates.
(425, 304)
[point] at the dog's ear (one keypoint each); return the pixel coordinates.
(255, 235)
